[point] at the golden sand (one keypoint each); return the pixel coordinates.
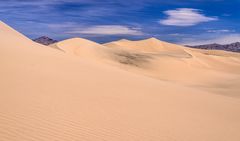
(125, 90)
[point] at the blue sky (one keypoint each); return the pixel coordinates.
(178, 21)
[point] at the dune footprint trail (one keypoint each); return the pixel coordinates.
(48, 94)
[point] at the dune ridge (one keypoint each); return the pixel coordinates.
(186, 66)
(87, 92)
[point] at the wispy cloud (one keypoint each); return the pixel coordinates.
(107, 30)
(185, 17)
(220, 31)
(176, 34)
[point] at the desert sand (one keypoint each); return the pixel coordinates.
(149, 90)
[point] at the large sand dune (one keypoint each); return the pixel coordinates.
(208, 70)
(92, 92)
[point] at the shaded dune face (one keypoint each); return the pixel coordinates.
(93, 92)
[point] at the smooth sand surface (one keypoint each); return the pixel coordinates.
(93, 92)
(210, 70)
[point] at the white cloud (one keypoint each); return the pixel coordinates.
(107, 30)
(224, 39)
(220, 31)
(176, 34)
(185, 17)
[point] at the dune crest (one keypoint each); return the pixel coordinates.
(151, 45)
(47, 94)
(81, 47)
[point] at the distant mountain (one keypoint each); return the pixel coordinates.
(45, 40)
(234, 47)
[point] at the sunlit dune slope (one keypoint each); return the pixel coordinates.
(215, 71)
(47, 94)
(151, 45)
(83, 48)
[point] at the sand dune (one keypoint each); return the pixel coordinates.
(209, 70)
(83, 48)
(47, 94)
(151, 45)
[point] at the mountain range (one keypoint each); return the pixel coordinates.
(234, 47)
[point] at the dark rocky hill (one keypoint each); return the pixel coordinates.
(234, 47)
(45, 40)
